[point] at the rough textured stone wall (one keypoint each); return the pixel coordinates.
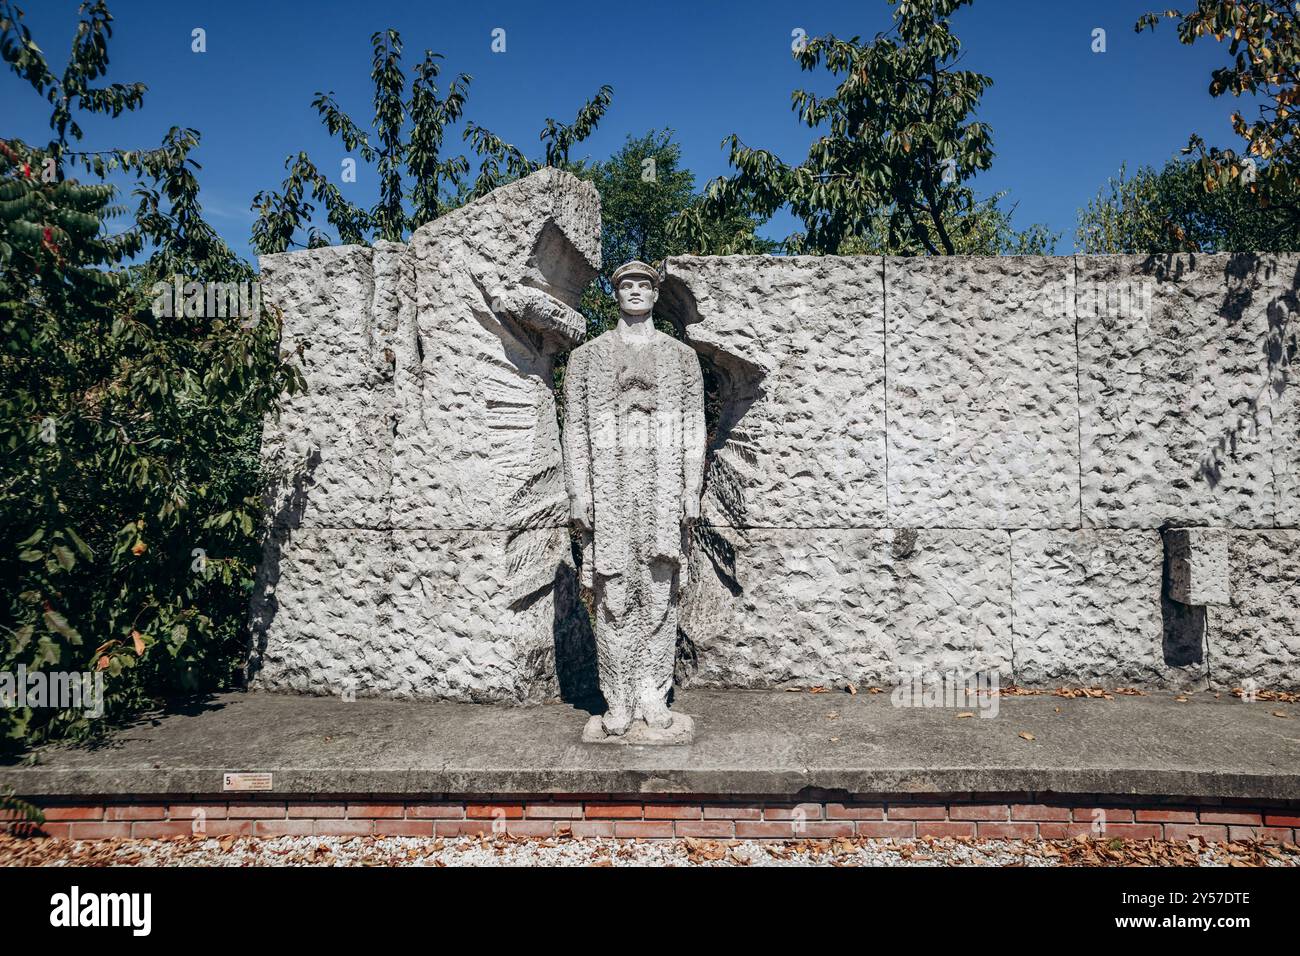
(917, 466)
(965, 464)
(419, 543)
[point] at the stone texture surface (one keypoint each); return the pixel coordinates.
(332, 455)
(1178, 372)
(320, 609)
(948, 464)
(420, 544)
(478, 444)
(401, 614)
(330, 450)
(983, 392)
(798, 344)
(327, 297)
(1197, 559)
(838, 606)
(1284, 386)
(1088, 610)
(748, 742)
(1286, 442)
(1257, 636)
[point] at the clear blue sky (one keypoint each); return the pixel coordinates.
(1063, 118)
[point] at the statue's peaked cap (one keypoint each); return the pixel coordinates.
(635, 268)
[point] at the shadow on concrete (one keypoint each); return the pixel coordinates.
(264, 606)
(1183, 626)
(575, 645)
(731, 386)
(1280, 348)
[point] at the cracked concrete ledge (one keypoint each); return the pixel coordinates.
(749, 742)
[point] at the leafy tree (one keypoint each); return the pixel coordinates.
(1170, 210)
(558, 137)
(405, 143)
(1263, 39)
(889, 171)
(986, 229)
(643, 191)
(129, 438)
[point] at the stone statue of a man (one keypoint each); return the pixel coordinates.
(634, 466)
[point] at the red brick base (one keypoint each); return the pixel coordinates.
(898, 816)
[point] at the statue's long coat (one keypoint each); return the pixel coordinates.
(598, 448)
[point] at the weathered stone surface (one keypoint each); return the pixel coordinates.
(905, 456)
(320, 613)
(801, 607)
(327, 299)
(444, 586)
(1257, 636)
(430, 411)
(951, 608)
(400, 614)
(983, 392)
(755, 743)
(1197, 562)
(1286, 440)
(478, 444)
(1284, 391)
(834, 606)
(331, 453)
(330, 449)
(798, 346)
(1088, 611)
(1176, 356)
(679, 732)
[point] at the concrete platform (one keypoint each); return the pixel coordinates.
(747, 742)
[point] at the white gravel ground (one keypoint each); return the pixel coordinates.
(506, 851)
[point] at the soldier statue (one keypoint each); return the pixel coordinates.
(634, 466)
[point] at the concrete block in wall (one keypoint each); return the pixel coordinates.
(982, 392)
(1197, 559)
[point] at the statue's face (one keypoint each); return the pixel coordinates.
(636, 295)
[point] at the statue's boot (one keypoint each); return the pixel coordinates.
(655, 712)
(616, 721)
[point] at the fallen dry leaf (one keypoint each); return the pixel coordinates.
(1026, 735)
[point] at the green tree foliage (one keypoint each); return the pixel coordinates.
(404, 142)
(129, 483)
(503, 162)
(985, 229)
(22, 818)
(1263, 38)
(644, 191)
(1170, 210)
(897, 147)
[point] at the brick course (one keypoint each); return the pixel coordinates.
(709, 816)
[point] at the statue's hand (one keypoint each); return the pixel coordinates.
(541, 312)
(690, 508)
(583, 515)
